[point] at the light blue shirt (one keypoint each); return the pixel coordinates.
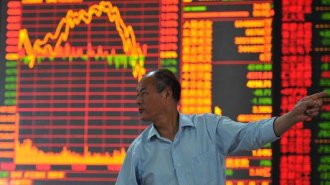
(197, 154)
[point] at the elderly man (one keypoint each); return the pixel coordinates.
(179, 149)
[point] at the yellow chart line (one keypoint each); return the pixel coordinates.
(42, 48)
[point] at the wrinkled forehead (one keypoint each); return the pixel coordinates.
(145, 82)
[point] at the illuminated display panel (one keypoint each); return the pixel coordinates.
(68, 112)
(320, 148)
(304, 57)
(226, 68)
(73, 93)
(70, 69)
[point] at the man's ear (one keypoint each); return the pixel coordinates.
(167, 92)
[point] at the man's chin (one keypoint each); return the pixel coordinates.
(144, 118)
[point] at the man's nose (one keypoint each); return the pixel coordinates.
(138, 100)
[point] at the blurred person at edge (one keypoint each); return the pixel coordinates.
(180, 149)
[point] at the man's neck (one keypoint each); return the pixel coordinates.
(168, 126)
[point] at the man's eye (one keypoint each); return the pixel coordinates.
(141, 94)
(144, 93)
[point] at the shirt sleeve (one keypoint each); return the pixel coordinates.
(128, 171)
(232, 136)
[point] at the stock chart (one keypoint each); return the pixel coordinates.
(69, 69)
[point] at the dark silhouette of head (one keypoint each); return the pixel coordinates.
(165, 78)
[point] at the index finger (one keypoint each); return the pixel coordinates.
(318, 95)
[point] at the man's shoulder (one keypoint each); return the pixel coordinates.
(141, 139)
(202, 117)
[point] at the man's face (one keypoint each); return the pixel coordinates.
(148, 99)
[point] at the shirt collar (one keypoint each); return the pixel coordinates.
(184, 121)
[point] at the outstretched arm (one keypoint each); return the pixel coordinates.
(307, 108)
